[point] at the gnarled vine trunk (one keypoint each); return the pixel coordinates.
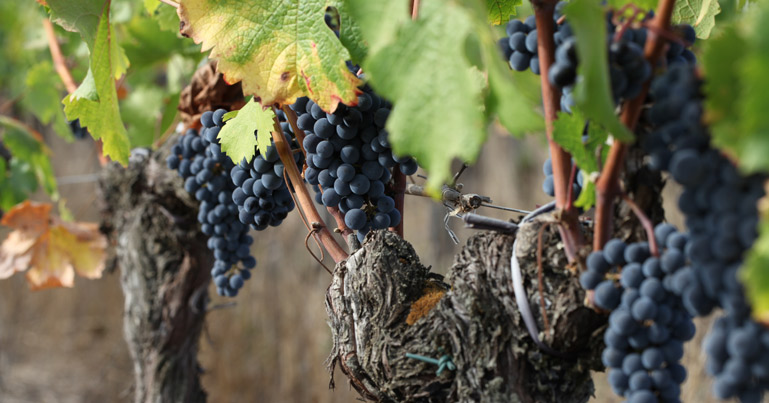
(164, 263)
(476, 322)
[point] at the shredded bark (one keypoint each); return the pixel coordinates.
(476, 322)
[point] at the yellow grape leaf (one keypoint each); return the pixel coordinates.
(50, 250)
(49, 267)
(280, 50)
(86, 247)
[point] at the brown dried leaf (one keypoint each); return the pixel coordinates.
(208, 91)
(50, 249)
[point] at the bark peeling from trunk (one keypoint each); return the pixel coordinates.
(476, 322)
(164, 263)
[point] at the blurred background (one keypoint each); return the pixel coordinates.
(267, 345)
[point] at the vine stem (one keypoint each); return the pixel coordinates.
(334, 211)
(646, 223)
(569, 222)
(299, 133)
(399, 196)
(58, 57)
(322, 235)
(342, 228)
(66, 76)
(171, 3)
(607, 187)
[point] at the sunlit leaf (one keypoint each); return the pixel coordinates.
(280, 50)
(701, 14)
(500, 11)
(248, 130)
(102, 116)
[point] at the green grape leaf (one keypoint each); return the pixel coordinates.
(568, 131)
(87, 89)
(379, 21)
(42, 98)
(586, 199)
(86, 17)
(737, 99)
(754, 275)
(506, 95)
(641, 4)
(500, 11)
(350, 33)
(279, 50)
(101, 116)
(146, 44)
(142, 112)
(17, 184)
(754, 100)
(229, 115)
(592, 93)
(440, 115)
(701, 14)
(247, 131)
(164, 15)
(34, 166)
(437, 116)
(151, 5)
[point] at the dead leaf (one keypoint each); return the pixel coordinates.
(50, 250)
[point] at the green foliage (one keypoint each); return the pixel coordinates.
(102, 115)
(143, 109)
(350, 33)
(567, 132)
(42, 98)
(250, 129)
(701, 14)
(29, 167)
(754, 274)
(146, 44)
(91, 19)
(592, 93)
(500, 11)
(279, 50)
(439, 116)
(736, 62)
(642, 4)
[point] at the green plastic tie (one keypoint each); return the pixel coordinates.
(443, 363)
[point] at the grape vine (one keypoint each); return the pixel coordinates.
(350, 101)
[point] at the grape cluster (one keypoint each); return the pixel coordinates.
(648, 324)
(349, 160)
(520, 45)
(628, 69)
(206, 171)
(261, 193)
(548, 185)
(721, 212)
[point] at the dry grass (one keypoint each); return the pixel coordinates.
(66, 345)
